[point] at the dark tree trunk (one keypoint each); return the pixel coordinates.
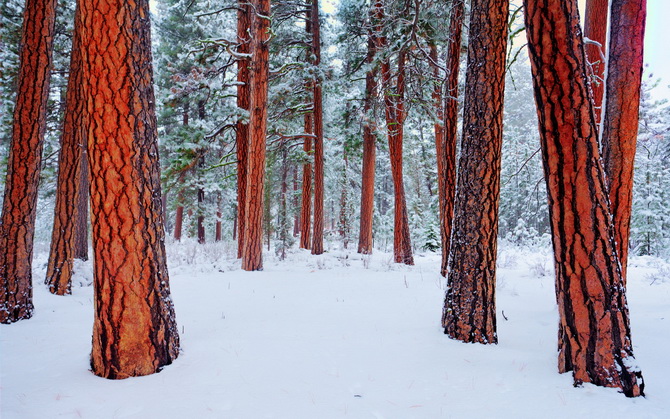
(317, 238)
(81, 221)
(469, 309)
(179, 215)
(134, 328)
(619, 139)
(594, 330)
(252, 255)
(296, 218)
(69, 192)
(595, 28)
(201, 190)
(446, 143)
(306, 207)
(242, 131)
(17, 225)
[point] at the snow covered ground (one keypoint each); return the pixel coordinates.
(334, 336)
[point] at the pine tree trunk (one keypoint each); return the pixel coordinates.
(296, 218)
(252, 255)
(595, 28)
(446, 143)
(306, 207)
(201, 189)
(395, 118)
(17, 225)
(594, 329)
(242, 131)
(369, 138)
(134, 329)
(69, 192)
(469, 309)
(179, 215)
(217, 229)
(81, 221)
(619, 139)
(317, 238)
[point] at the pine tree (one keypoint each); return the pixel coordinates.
(594, 329)
(17, 225)
(469, 309)
(134, 329)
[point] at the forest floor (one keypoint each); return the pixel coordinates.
(333, 336)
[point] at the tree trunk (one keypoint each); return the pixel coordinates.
(17, 225)
(217, 229)
(395, 118)
(594, 329)
(242, 131)
(201, 189)
(179, 215)
(81, 221)
(134, 329)
(296, 218)
(619, 139)
(69, 192)
(446, 143)
(317, 238)
(469, 309)
(369, 138)
(252, 255)
(595, 28)
(306, 207)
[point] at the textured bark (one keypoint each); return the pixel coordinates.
(17, 225)
(296, 218)
(201, 190)
(134, 329)
(81, 222)
(394, 103)
(365, 240)
(217, 228)
(242, 131)
(619, 139)
(179, 215)
(469, 309)
(68, 190)
(317, 238)
(252, 254)
(445, 141)
(595, 28)
(594, 329)
(306, 207)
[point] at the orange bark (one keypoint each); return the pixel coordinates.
(594, 329)
(134, 328)
(394, 101)
(306, 207)
(17, 225)
(69, 187)
(242, 131)
(317, 238)
(619, 139)
(365, 240)
(595, 28)
(469, 309)
(252, 254)
(446, 136)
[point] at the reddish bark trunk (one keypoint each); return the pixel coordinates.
(69, 192)
(81, 221)
(252, 255)
(134, 329)
(595, 28)
(365, 240)
(306, 207)
(445, 143)
(619, 139)
(242, 131)
(296, 218)
(317, 239)
(594, 329)
(395, 118)
(469, 309)
(17, 225)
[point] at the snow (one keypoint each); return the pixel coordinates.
(326, 337)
